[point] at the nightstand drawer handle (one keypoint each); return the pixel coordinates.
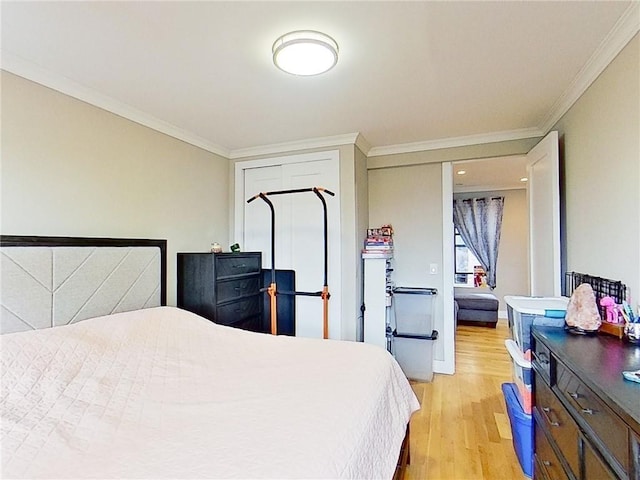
(546, 411)
(587, 411)
(546, 463)
(241, 265)
(573, 395)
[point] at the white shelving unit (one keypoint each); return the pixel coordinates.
(377, 301)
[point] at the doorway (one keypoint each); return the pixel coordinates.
(543, 251)
(496, 177)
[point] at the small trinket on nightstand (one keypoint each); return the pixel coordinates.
(216, 248)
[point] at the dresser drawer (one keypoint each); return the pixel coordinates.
(538, 470)
(594, 467)
(233, 312)
(603, 423)
(231, 289)
(231, 264)
(635, 452)
(558, 422)
(544, 362)
(546, 457)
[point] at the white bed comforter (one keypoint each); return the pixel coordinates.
(163, 393)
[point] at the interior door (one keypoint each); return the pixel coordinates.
(543, 194)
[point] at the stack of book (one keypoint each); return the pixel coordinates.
(379, 240)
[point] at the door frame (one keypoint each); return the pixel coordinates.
(448, 363)
(547, 148)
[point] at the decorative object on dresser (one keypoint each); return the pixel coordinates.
(587, 417)
(222, 287)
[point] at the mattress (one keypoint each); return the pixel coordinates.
(163, 393)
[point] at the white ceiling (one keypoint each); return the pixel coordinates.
(409, 72)
(490, 174)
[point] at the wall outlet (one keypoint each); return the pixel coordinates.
(433, 268)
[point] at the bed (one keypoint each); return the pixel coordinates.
(158, 392)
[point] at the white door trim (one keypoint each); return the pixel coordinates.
(546, 186)
(447, 336)
(241, 196)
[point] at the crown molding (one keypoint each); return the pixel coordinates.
(363, 144)
(456, 142)
(277, 148)
(622, 32)
(23, 68)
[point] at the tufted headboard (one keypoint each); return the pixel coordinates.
(51, 281)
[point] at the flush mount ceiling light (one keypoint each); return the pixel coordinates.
(305, 52)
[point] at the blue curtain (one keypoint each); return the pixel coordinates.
(479, 221)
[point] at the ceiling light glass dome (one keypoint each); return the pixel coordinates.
(305, 52)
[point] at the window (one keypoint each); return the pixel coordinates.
(466, 263)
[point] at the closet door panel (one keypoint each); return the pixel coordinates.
(257, 215)
(299, 234)
(307, 243)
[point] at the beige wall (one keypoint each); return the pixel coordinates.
(600, 139)
(410, 199)
(600, 149)
(72, 169)
(513, 258)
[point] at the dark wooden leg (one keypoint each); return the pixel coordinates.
(404, 458)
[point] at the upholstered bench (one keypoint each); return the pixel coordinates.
(477, 309)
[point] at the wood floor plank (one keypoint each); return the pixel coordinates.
(462, 430)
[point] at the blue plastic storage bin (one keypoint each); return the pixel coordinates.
(521, 429)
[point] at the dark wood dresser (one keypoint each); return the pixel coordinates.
(223, 287)
(586, 416)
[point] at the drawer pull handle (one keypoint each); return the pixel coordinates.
(547, 410)
(241, 265)
(237, 289)
(573, 395)
(587, 411)
(546, 463)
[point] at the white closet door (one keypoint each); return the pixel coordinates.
(299, 234)
(307, 246)
(257, 215)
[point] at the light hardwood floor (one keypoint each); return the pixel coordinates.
(462, 430)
